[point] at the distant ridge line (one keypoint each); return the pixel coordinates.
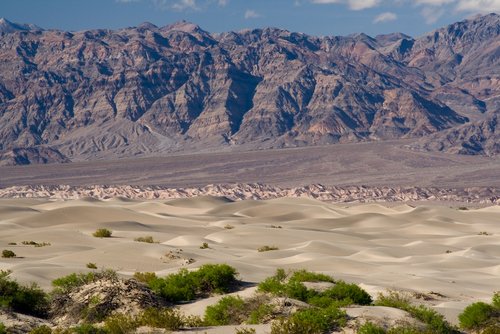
(257, 191)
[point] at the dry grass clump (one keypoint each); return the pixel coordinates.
(267, 248)
(102, 233)
(147, 239)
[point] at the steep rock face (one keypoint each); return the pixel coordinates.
(149, 90)
(32, 155)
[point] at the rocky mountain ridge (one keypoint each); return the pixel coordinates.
(150, 90)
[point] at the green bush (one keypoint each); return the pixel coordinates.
(3, 329)
(476, 316)
(102, 233)
(44, 329)
(120, 324)
(166, 318)
(187, 285)
(67, 283)
(370, 328)
(345, 291)
(308, 276)
(7, 253)
(393, 299)
(29, 300)
(495, 300)
(244, 331)
(88, 329)
(435, 321)
(311, 321)
(228, 311)
(259, 313)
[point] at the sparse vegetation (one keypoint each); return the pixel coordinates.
(276, 226)
(7, 253)
(147, 239)
(91, 265)
(228, 227)
(36, 244)
(12, 243)
(102, 233)
(204, 246)
(167, 318)
(120, 324)
(483, 233)
(3, 329)
(145, 277)
(228, 311)
(435, 321)
(463, 208)
(267, 248)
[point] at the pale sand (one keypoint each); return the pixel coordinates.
(424, 249)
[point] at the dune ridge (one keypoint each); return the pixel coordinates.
(257, 191)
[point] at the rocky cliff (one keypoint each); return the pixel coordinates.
(151, 90)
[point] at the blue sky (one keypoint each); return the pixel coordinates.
(316, 17)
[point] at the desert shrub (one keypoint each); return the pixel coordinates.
(491, 329)
(434, 320)
(308, 276)
(228, 311)
(343, 291)
(370, 328)
(3, 329)
(185, 285)
(147, 239)
(204, 246)
(145, 277)
(408, 329)
(495, 300)
(44, 329)
(219, 278)
(228, 227)
(244, 331)
(29, 300)
(393, 299)
(267, 248)
(91, 265)
(36, 244)
(476, 316)
(192, 321)
(102, 233)
(167, 318)
(259, 313)
(120, 324)
(311, 321)
(7, 253)
(87, 329)
(341, 294)
(67, 283)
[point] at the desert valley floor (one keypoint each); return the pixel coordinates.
(448, 253)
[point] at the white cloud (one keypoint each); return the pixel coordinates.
(385, 17)
(222, 3)
(251, 14)
(432, 14)
(433, 2)
(483, 6)
(127, 1)
(353, 4)
(185, 4)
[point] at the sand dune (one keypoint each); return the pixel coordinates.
(428, 248)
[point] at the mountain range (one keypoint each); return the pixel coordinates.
(148, 90)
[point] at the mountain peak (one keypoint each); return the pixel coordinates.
(7, 26)
(184, 26)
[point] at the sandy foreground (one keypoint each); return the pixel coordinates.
(450, 254)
